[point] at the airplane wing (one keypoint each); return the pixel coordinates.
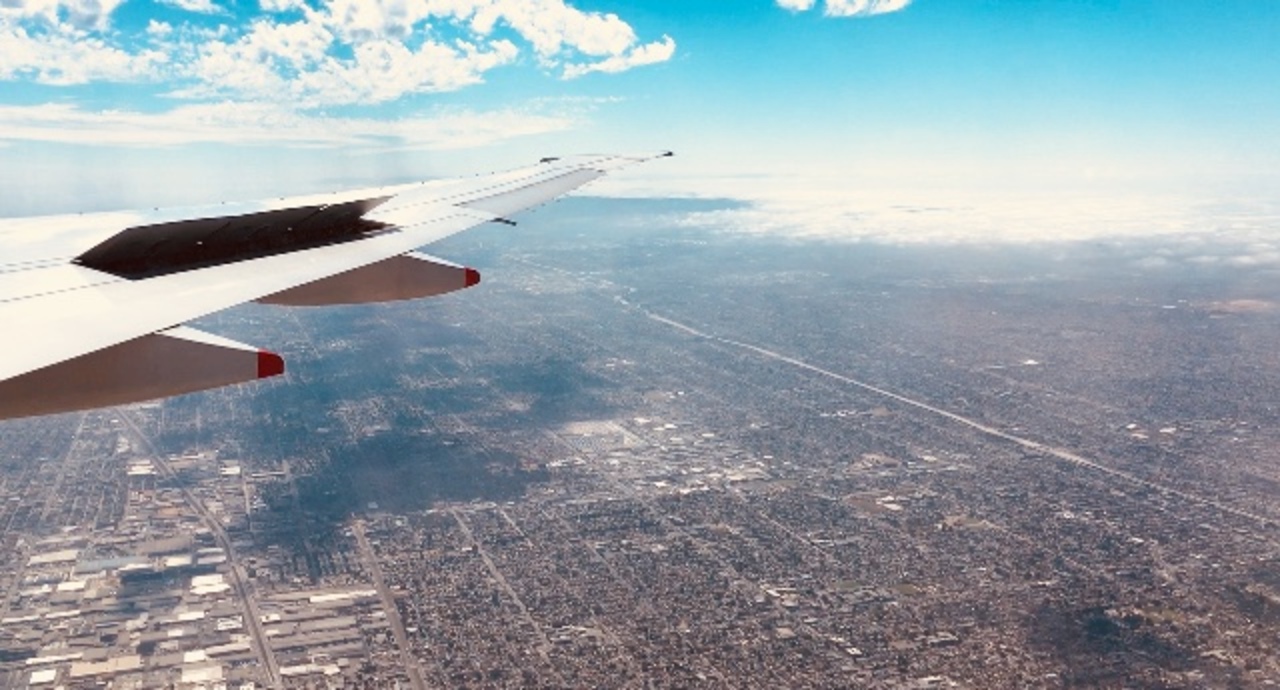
(93, 305)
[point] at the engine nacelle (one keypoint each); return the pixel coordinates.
(409, 276)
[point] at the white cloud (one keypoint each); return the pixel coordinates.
(292, 62)
(336, 52)
(281, 5)
(375, 51)
(198, 6)
(554, 30)
(863, 8)
(847, 8)
(64, 56)
(159, 29)
(648, 54)
(78, 14)
(551, 26)
(269, 124)
(393, 48)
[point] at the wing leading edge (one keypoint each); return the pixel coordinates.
(98, 292)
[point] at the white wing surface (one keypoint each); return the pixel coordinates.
(93, 304)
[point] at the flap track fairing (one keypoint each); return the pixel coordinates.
(409, 276)
(172, 362)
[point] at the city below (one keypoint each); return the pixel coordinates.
(644, 454)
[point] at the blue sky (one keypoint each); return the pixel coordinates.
(141, 101)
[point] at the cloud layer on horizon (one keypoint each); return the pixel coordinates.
(270, 124)
(854, 210)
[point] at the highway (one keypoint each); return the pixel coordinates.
(389, 604)
(1043, 449)
(244, 593)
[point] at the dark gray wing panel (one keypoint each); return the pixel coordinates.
(147, 251)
